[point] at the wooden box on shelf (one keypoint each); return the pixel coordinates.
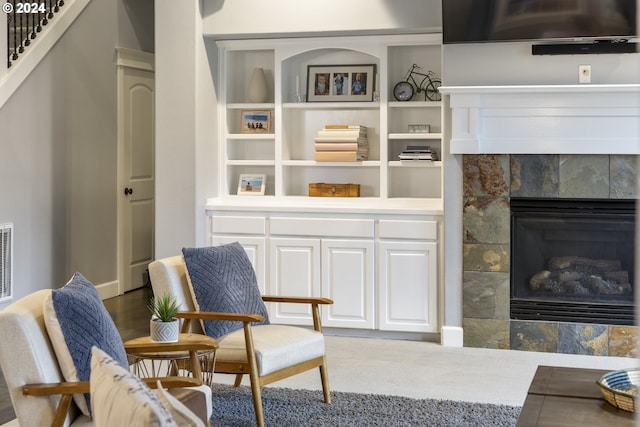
(322, 189)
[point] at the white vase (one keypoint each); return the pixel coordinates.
(257, 90)
(164, 331)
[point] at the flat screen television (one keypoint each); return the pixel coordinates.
(473, 21)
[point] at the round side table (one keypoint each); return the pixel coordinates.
(192, 355)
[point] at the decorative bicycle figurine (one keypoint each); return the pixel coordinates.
(404, 90)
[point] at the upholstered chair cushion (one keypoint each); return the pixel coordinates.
(222, 279)
(76, 320)
(169, 277)
(276, 346)
(119, 398)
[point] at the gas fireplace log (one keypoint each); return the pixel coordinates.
(570, 282)
(548, 281)
(539, 280)
(570, 276)
(606, 287)
(562, 263)
(575, 288)
(621, 277)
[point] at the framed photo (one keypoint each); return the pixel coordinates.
(255, 121)
(341, 82)
(252, 184)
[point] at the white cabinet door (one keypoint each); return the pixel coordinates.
(348, 279)
(294, 271)
(255, 247)
(407, 289)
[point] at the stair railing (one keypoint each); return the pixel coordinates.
(24, 21)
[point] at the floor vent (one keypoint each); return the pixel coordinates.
(6, 261)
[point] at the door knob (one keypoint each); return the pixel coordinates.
(128, 191)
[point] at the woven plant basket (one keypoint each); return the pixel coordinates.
(620, 388)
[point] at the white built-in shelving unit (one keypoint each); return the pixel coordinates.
(285, 155)
(377, 256)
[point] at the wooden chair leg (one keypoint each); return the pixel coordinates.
(254, 376)
(62, 411)
(324, 377)
(238, 380)
(257, 402)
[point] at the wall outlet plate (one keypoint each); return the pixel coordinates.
(584, 73)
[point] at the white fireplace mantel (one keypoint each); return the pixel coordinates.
(545, 119)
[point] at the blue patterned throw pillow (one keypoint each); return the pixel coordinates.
(222, 280)
(77, 312)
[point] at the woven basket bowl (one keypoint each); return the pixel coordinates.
(619, 388)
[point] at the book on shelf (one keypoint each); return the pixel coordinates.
(340, 127)
(340, 156)
(415, 157)
(418, 153)
(417, 149)
(341, 143)
(339, 146)
(334, 131)
(340, 134)
(341, 139)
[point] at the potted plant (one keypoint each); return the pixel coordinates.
(164, 326)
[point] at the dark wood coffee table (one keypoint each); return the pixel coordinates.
(569, 397)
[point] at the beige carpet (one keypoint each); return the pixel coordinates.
(428, 370)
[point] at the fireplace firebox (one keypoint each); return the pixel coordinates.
(572, 260)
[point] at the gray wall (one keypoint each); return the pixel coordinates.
(58, 156)
(512, 64)
(232, 19)
(136, 24)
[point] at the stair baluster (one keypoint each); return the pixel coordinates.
(24, 25)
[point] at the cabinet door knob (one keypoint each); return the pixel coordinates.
(128, 191)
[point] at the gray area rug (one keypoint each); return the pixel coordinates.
(287, 407)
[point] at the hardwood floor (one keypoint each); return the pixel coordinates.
(129, 313)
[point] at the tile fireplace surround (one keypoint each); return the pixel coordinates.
(533, 141)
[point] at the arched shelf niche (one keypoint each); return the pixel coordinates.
(294, 72)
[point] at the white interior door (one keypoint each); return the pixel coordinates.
(136, 174)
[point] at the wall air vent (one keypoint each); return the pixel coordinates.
(6, 261)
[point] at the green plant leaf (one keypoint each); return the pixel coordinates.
(164, 307)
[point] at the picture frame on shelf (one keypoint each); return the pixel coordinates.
(419, 128)
(251, 184)
(255, 121)
(341, 83)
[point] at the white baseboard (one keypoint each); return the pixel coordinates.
(376, 334)
(108, 290)
(451, 336)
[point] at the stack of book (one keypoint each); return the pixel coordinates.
(342, 143)
(417, 153)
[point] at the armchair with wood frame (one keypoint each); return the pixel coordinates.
(39, 393)
(267, 353)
